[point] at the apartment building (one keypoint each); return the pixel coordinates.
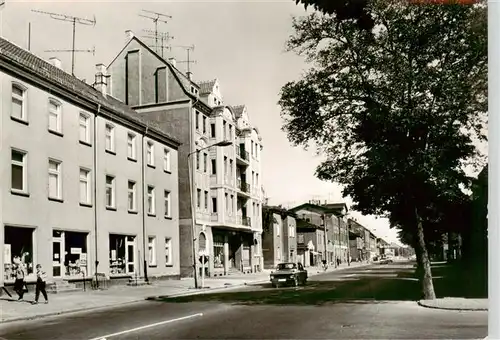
(310, 243)
(333, 216)
(225, 198)
(87, 185)
(279, 236)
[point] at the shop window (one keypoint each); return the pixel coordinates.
(121, 254)
(18, 247)
(218, 251)
(69, 253)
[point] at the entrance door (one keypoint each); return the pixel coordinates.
(57, 254)
(130, 254)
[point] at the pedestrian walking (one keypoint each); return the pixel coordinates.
(41, 278)
(19, 284)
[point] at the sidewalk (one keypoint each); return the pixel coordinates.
(460, 304)
(13, 310)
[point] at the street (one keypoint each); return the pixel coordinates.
(364, 303)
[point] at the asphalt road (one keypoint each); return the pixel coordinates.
(260, 312)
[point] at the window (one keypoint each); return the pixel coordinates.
(225, 166)
(230, 132)
(257, 180)
(166, 160)
(150, 154)
(291, 231)
(251, 147)
(110, 192)
(224, 129)
(198, 198)
(231, 205)
(197, 120)
(131, 146)
(167, 203)
(84, 186)
(212, 130)
(205, 161)
(204, 124)
(18, 109)
(110, 138)
(152, 251)
(84, 128)
(151, 200)
(54, 116)
(230, 167)
(277, 228)
(54, 179)
(214, 204)
(197, 160)
(19, 170)
(206, 200)
(132, 194)
(214, 167)
(168, 252)
(226, 196)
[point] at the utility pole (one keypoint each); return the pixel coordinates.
(188, 61)
(156, 18)
(164, 37)
(74, 21)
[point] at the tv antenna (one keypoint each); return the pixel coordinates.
(164, 39)
(74, 20)
(86, 51)
(188, 61)
(156, 17)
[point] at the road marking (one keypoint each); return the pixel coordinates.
(104, 337)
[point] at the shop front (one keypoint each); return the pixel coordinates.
(18, 247)
(122, 254)
(69, 254)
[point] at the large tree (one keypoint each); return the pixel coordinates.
(395, 110)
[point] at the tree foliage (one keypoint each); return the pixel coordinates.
(395, 110)
(356, 10)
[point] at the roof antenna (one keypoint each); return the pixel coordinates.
(74, 20)
(155, 16)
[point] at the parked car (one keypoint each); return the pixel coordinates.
(289, 273)
(386, 260)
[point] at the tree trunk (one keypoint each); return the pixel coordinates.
(425, 263)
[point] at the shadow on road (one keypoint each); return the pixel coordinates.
(378, 284)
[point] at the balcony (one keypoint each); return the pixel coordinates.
(242, 156)
(243, 188)
(246, 221)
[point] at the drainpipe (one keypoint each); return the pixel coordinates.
(143, 207)
(95, 194)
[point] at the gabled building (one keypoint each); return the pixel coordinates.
(310, 243)
(225, 191)
(88, 186)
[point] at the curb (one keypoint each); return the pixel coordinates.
(451, 308)
(205, 291)
(78, 310)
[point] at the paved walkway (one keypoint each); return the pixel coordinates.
(456, 304)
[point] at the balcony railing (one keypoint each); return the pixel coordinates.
(242, 154)
(243, 186)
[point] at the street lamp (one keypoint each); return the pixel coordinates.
(193, 214)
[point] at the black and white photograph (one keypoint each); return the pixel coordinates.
(249, 169)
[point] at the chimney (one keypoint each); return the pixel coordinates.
(101, 79)
(128, 35)
(189, 74)
(172, 61)
(56, 62)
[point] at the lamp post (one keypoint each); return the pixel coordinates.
(193, 214)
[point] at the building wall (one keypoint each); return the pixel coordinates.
(290, 239)
(67, 214)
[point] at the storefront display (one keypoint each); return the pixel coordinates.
(18, 244)
(218, 251)
(69, 253)
(121, 254)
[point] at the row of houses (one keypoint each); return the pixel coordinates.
(313, 232)
(135, 175)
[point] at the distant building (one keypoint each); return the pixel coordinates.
(226, 191)
(88, 185)
(337, 236)
(279, 237)
(310, 243)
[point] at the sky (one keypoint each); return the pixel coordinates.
(241, 43)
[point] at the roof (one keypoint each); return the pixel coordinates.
(206, 87)
(303, 224)
(15, 55)
(238, 110)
